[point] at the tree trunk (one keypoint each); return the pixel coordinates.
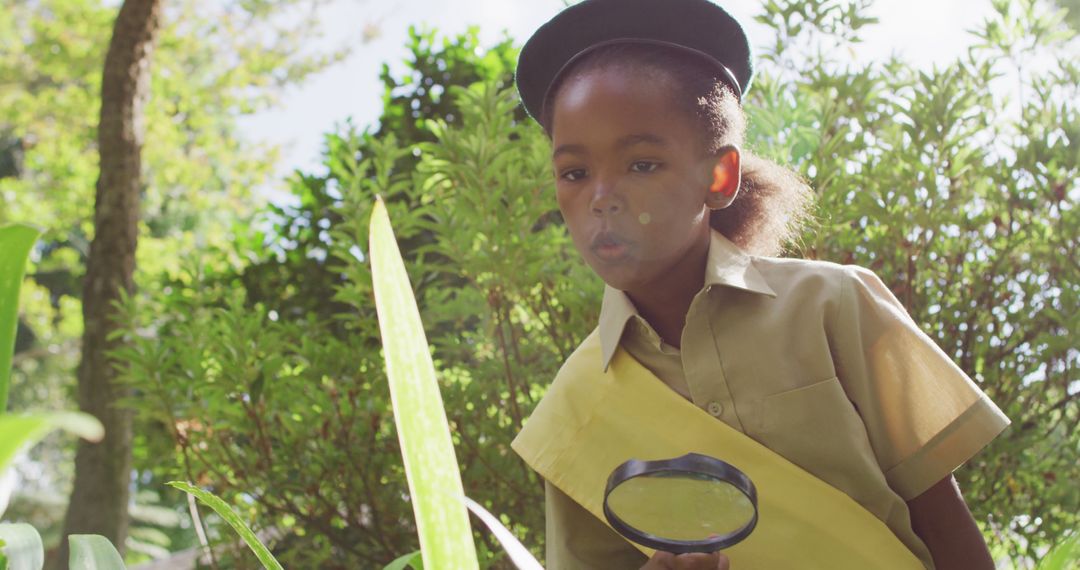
(99, 499)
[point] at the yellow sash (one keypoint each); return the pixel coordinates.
(590, 421)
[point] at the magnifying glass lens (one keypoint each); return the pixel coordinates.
(691, 503)
(681, 506)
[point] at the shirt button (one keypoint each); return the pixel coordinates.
(715, 409)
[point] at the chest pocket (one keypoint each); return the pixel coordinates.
(817, 428)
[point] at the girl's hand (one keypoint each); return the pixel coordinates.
(693, 561)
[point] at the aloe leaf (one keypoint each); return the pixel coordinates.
(412, 560)
(15, 243)
(225, 511)
(21, 546)
(431, 467)
(19, 430)
(93, 552)
(519, 555)
(7, 488)
(1064, 556)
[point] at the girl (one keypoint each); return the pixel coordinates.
(816, 364)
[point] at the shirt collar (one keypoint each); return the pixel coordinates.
(727, 265)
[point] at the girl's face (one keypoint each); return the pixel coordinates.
(631, 179)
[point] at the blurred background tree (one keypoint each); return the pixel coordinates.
(198, 173)
(254, 351)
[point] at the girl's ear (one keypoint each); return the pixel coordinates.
(726, 178)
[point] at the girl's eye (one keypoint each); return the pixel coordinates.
(573, 175)
(644, 166)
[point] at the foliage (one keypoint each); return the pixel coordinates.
(199, 171)
(20, 547)
(18, 431)
(1063, 556)
(291, 270)
(20, 544)
(23, 550)
(435, 492)
(215, 62)
(93, 552)
(266, 375)
(222, 509)
(518, 554)
(411, 560)
(16, 241)
(434, 481)
(224, 378)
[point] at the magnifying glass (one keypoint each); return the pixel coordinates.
(692, 503)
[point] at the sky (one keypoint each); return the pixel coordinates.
(923, 32)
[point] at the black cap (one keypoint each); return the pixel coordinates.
(695, 26)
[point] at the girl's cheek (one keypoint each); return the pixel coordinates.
(564, 198)
(560, 200)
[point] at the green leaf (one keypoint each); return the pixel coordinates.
(22, 546)
(19, 430)
(15, 243)
(1064, 556)
(520, 555)
(431, 467)
(93, 552)
(412, 560)
(224, 511)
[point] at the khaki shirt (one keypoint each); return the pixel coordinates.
(817, 361)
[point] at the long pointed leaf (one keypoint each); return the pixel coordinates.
(19, 430)
(15, 243)
(93, 552)
(225, 511)
(519, 555)
(442, 522)
(22, 546)
(1064, 556)
(412, 560)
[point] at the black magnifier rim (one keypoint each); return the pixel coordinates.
(694, 464)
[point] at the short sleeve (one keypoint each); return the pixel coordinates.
(924, 416)
(577, 540)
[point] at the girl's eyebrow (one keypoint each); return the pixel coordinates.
(623, 142)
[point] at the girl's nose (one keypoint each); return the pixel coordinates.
(606, 201)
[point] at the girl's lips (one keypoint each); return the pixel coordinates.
(610, 252)
(608, 247)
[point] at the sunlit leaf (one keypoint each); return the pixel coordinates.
(430, 464)
(1064, 556)
(15, 243)
(19, 430)
(22, 546)
(93, 552)
(225, 511)
(520, 555)
(412, 560)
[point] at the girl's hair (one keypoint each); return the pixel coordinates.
(773, 203)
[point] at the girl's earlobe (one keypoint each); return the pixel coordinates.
(726, 172)
(722, 181)
(726, 178)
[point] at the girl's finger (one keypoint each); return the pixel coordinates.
(699, 561)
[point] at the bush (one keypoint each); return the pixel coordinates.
(293, 420)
